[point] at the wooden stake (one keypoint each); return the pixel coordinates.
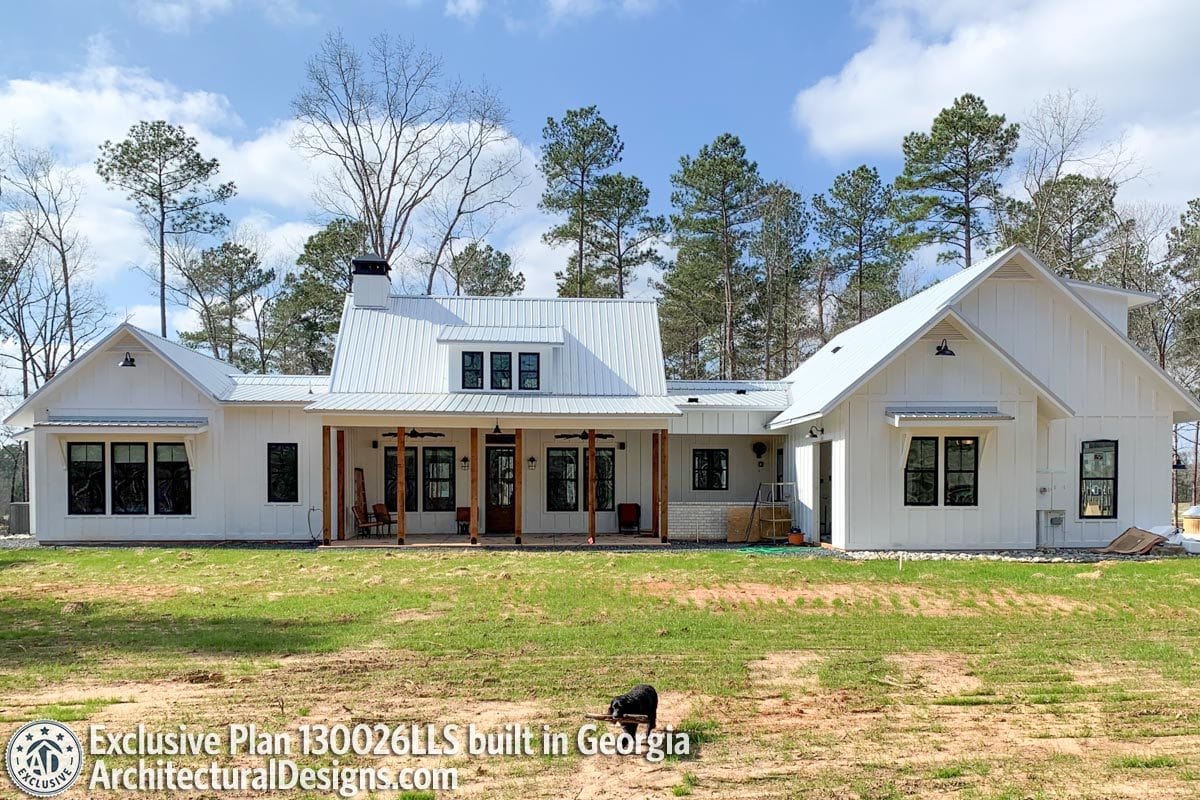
(591, 486)
(341, 484)
(401, 488)
(663, 491)
(326, 496)
(655, 468)
(518, 483)
(474, 486)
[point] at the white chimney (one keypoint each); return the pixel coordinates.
(369, 282)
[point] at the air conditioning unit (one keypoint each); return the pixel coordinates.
(1050, 531)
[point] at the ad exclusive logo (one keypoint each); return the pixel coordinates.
(43, 758)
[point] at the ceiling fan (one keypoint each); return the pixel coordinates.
(583, 435)
(415, 434)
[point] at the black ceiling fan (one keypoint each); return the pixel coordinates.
(583, 435)
(415, 434)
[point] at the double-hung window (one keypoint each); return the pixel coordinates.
(710, 469)
(410, 478)
(529, 377)
(1098, 479)
(606, 478)
(130, 478)
(439, 478)
(921, 472)
(562, 479)
(85, 478)
(472, 370)
(172, 480)
(501, 370)
(962, 471)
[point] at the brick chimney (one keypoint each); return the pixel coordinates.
(369, 282)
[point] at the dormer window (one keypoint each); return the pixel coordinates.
(531, 372)
(501, 370)
(472, 370)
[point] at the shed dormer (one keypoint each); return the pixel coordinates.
(501, 358)
(1112, 302)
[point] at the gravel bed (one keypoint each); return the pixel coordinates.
(17, 542)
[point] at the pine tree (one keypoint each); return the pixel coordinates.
(221, 284)
(953, 174)
(784, 267)
(483, 271)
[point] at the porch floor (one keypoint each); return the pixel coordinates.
(499, 540)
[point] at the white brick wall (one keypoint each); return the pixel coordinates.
(703, 521)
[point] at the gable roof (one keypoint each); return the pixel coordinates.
(853, 356)
(609, 347)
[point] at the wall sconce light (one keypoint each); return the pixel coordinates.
(464, 463)
(1178, 462)
(532, 462)
(127, 361)
(496, 430)
(815, 433)
(943, 349)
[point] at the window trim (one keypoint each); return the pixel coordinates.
(112, 475)
(576, 479)
(103, 480)
(724, 473)
(492, 371)
(1115, 480)
(934, 469)
(426, 482)
(946, 471)
(537, 372)
(154, 481)
(295, 447)
(583, 498)
(464, 369)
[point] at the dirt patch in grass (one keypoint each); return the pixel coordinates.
(887, 598)
(937, 673)
(85, 592)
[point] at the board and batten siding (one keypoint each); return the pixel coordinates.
(1114, 393)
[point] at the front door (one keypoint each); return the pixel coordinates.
(498, 508)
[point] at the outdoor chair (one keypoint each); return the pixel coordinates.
(629, 517)
(383, 515)
(463, 517)
(364, 525)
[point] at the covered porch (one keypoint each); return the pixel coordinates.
(503, 481)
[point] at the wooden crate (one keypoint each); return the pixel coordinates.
(738, 518)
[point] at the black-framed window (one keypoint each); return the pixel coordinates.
(530, 377)
(921, 472)
(472, 370)
(962, 470)
(283, 472)
(130, 478)
(710, 469)
(410, 478)
(562, 479)
(85, 478)
(439, 478)
(501, 370)
(172, 479)
(606, 478)
(1098, 479)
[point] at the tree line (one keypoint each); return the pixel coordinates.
(752, 274)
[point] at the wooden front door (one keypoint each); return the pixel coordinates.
(500, 490)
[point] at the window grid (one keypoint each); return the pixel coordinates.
(562, 479)
(1098, 479)
(530, 378)
(472, 370)
(962, 470)
(921, 472)
(130, 478)
(501, 377)
(438, 472)
(710, 469)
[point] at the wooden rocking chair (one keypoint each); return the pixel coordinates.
(364, 525)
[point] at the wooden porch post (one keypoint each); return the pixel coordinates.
(664, 489)
(518, 483)
(326, 497)
(591, 486)
(474, 486)
(341, 484)
(401, 488)
(655, 467)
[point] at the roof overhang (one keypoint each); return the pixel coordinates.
(110, 424)
(501, 334)
(1132, 297)
(946, 417)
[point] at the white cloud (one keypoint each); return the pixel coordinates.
(464, 9)
(1135, 58)
(179, 16)
(145, 316)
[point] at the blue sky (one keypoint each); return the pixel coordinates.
(812, 88)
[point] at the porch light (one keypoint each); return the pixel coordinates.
(943, 349)
(127, 361)
(533, 462)
(496, 430)
(815, 433)
(464, 463)
(1178, 462)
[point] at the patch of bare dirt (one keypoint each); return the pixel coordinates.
(937, 673)
(83, 592)
(897, 598)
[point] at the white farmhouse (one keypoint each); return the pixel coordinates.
(1003, 407)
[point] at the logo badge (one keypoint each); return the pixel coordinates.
(43, 758)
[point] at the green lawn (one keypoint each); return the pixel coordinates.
(835, 678)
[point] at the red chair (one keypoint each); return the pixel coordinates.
(629, 517)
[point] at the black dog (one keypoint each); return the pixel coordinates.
(641, 699)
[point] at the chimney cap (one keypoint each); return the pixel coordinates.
(370, 264)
